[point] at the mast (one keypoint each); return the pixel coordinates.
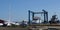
(10, 17)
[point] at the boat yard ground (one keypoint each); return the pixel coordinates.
(39, 27)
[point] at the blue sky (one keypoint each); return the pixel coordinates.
(19, 8)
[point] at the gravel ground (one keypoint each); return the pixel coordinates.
(12, 28)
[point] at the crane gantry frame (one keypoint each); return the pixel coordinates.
(33, 13)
